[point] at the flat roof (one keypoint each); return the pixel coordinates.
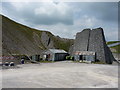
(57, 51)
(85, 53)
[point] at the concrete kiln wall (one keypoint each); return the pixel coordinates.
(81, 41)
(93, 40)
(96, 43)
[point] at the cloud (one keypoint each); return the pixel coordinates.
(41, 13)
(55, 13)
(65, 19)
(107, 11)
(69, 31)
(111, 34)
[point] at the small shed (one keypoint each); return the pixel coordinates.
(35, 57)
(55, 55)
(85, 55)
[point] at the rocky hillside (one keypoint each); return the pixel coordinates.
(114, 46)
(20, 39)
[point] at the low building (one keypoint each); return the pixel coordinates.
(35, 58)
(55, 55)
(84, 55)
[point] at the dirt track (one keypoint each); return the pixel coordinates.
(61, 75)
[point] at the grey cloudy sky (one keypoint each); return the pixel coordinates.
(65, 18)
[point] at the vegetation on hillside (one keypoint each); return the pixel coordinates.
(61, 43)
(116, 47)
(112, 42)
(22, 36)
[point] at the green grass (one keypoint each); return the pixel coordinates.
(117, 48)
(60, 43)
(65, 45)
(112, 42)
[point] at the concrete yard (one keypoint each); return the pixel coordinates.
(61, 75)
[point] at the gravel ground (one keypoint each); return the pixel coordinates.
(61, 75)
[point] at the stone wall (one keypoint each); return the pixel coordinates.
(81, 41)
(93, 40)
(96, 43)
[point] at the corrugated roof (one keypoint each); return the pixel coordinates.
(57, 51)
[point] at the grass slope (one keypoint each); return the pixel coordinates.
(20, 39)
(112, 42)
(116, 47)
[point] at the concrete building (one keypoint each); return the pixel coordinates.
(84, 55)
(93, 41)
(55, 55)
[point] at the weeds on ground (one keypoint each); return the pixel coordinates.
(42, 61)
